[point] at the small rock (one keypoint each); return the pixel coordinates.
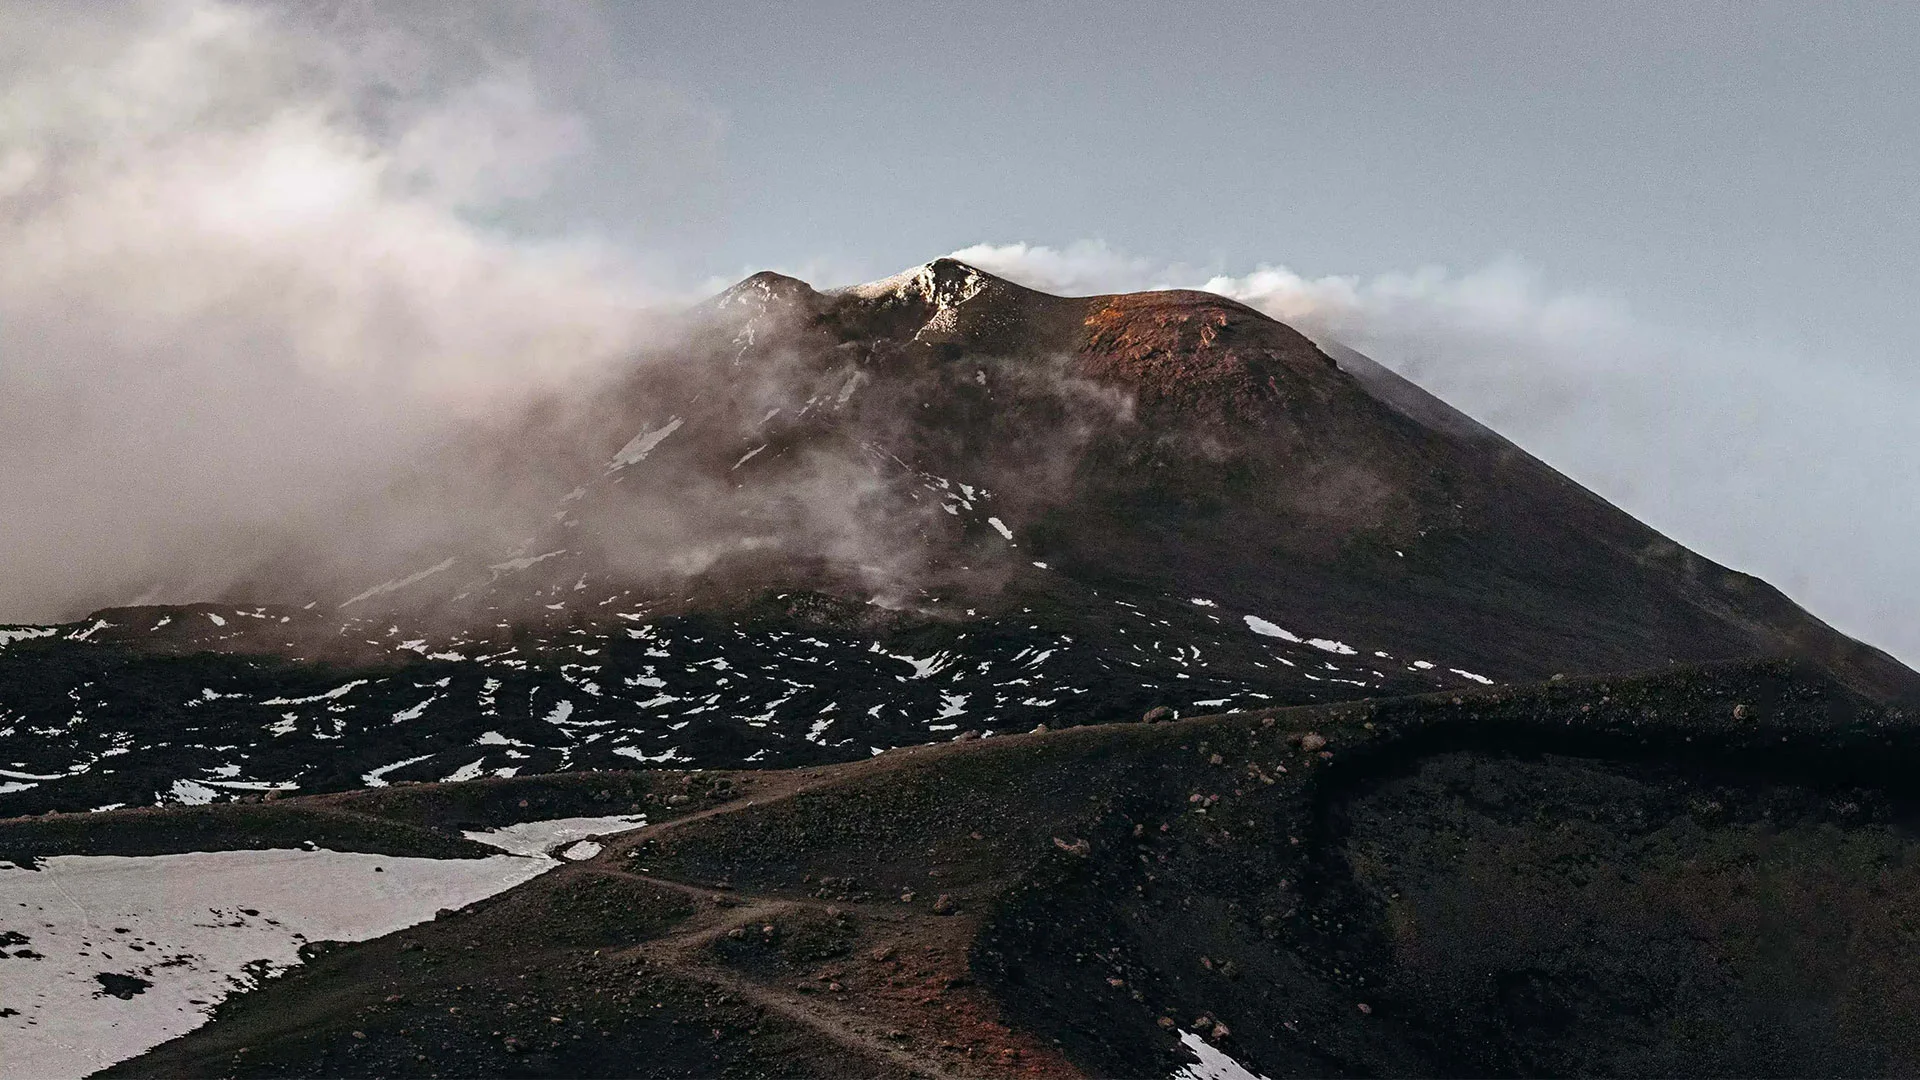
(882, 954)
(1365, 1009)
(1039, 729)
(1157, 714)
(1312, 741)
(359, 1034)
(944, 905)
(1216, 760)
(1167, 1023)
(1741, 712)
(737, 933)
(1220, 1031)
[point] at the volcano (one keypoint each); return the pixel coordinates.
(937, 677)
(813, 525)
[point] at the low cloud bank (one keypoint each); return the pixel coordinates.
(249, 261)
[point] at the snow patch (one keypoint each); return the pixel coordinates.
(541, 837)
(642, 444)
(1261, 626)
(400, 583)
(373, 778)
(1338, 648)
(193, 909)
(26, 633)
(1211, 1063)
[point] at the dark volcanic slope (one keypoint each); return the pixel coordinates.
(1706, 872)
(823, 524)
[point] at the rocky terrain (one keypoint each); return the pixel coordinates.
(1700, 872)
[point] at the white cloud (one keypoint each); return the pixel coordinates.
(242, 270)
(1085, 266)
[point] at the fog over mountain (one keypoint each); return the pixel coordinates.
(259, 260)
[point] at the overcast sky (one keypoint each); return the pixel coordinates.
(1673, 249)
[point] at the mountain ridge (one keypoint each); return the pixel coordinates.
(818, 524)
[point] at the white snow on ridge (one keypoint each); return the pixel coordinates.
(541, 837)
(400, 583)
(373, 778)
(522, 563)
(1001, 528)
(1338, 648)
(1481, 679)
(190, 793)
(26, 633)
(642, 444)
(1261, 626)
(1212, 1064)
(189, 913)
(336, 692)
(470, 771)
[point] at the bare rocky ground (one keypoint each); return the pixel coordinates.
(1709, 871)
(944, 503)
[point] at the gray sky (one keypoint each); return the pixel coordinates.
(1672, 249)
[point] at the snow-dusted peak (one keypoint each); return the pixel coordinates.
(942, 285)
(941, 279)
(762, 289)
